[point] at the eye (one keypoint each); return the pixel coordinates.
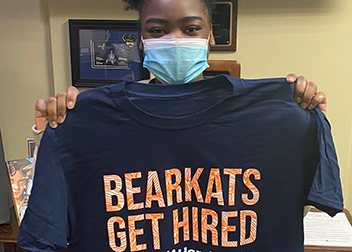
(156, 31)
(22, 182)
(192, 31)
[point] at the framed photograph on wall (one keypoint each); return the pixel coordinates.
(105, 52)
(224, 21)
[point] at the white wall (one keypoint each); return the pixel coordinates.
(25, 69)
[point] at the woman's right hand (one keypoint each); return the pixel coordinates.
(53, 110)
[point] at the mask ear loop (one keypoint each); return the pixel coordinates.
(209, 36)
(143, 43)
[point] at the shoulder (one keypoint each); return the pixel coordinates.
(93, 99)
(98, 93)
(268, 85)
(272, 99)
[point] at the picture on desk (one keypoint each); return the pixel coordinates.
(20, 174)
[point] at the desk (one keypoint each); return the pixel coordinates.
(8, 235)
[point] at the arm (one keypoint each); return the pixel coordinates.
(44, 227)
(53, 110)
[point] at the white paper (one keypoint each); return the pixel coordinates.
(322, 230)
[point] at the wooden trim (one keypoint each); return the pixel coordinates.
(233, 67)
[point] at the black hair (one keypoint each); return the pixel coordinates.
(139, 4)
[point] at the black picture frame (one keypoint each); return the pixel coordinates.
(224, 21)
(105, 52)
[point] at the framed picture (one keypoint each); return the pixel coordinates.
(224, 21)
(20, 172)
(30, 147)
(105, 52)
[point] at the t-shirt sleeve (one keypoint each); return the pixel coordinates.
(44, 226)
(326, 192)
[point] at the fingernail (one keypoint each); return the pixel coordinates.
(304, 105)
(60, 119)
(53, 124)
(298, 99)
(311, 106)
(70, 105)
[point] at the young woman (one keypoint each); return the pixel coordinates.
(124, 160)
(167, 20)
(163, 20)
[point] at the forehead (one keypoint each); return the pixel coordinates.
(173, 10)
(17, 175)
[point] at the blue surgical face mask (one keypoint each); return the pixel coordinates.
(175, 61)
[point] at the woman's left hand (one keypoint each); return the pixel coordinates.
(306, 93)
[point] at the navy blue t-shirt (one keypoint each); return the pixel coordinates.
(221, 164)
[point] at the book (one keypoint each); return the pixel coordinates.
(20, 173)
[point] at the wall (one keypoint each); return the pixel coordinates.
(60, 12)
(25, 70)
(309, 37)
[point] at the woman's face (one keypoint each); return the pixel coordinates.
(18, 183)
(168, 19)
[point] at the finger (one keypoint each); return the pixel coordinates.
(40, 109)
(40, 115)
(300, 86)
(61, 106)
(290, 78)
(51, 105)
(319, 99)
(309, 93)
(71, 96)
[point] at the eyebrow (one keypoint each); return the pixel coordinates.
(191, 18)
(157, 21)
(164, 21)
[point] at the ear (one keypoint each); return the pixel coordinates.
(211, 39)
(141, 45)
